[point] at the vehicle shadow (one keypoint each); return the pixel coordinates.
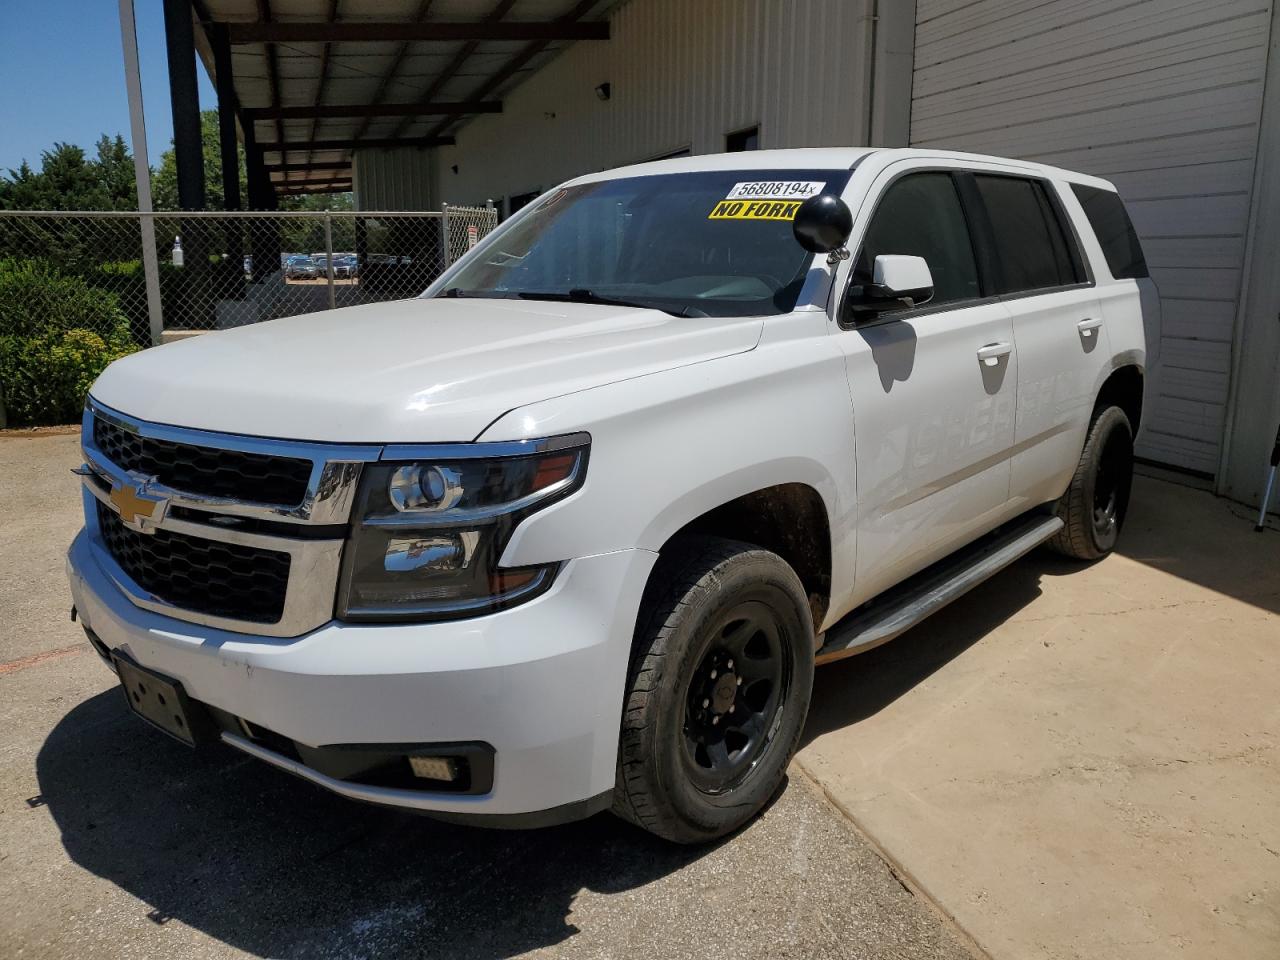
(1212, 543)
(848, 691)
(276, 867)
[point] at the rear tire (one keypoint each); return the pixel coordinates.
(1095, 504)
(717, 692)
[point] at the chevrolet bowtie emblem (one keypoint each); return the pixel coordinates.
(138, 509)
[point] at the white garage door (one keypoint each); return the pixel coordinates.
(1161, 97)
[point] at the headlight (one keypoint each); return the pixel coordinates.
(429, 532)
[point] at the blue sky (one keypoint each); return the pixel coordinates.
(62, 77)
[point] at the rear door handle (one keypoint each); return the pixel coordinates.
(992, 352)
(1087, 326)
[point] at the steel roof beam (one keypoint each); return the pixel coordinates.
(323, 111)
(266, 31)
(273, 67)
(402, 51)
(311, 165)
(450, 71)
(352, 144)
(517, 62)
(330, 17)
(295, 190)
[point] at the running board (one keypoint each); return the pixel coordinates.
(902, 607)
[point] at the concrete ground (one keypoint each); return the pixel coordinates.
(1081, 761)
(116, 842)
(1072, 761)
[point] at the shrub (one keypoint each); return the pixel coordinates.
(187, 298)
(45, 379)
(57, 333)
(37, 300)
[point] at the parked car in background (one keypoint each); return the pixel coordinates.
(342, 265)
(569, 532)
(300, 268)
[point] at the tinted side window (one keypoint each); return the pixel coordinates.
(1111, 224)
(1031, 248)
(920, 215)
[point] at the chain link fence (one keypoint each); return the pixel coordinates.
(80, 289)
(211, 271)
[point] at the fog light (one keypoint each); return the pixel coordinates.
(434, 768)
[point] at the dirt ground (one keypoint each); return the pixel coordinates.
(1072, 761)
(1081, 760)
(117, 842)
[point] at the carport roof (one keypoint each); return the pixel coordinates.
(314, 79)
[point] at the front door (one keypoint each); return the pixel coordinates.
(933, 388)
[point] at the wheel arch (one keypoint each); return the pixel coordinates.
(1123, 388)
(789, 519)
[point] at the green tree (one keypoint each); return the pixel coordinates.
(307, 235)
(116, 173)
(70, 180)
(164, 181)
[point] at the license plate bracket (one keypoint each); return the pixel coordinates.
(161, 701)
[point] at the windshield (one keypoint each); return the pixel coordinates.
(712, 243)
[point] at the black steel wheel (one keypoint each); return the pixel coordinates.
(718, 689)
(735, 697)
(1094, 507)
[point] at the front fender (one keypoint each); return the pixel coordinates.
(668, 447)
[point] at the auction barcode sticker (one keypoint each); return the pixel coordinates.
(776, 190)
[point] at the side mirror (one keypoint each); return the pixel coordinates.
(903, 277)
(898, 282)
(822, 224)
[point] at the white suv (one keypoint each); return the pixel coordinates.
(569, 531)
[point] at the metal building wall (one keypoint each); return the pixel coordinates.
(1162, 97)
(392, 179)
(683, 74)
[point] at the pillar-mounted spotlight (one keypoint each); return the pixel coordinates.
(604, 91)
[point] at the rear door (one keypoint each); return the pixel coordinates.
(1063, 351)
(933, 387)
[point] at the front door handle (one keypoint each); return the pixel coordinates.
(992, 352)
(1087, 326)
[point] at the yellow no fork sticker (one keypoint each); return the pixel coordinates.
(755, 210)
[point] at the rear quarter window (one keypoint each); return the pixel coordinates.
(1114, 230)
(1033, 251)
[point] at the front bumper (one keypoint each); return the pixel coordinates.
(541, 683)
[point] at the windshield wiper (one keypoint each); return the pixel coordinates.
(454, 293)
(583, 295)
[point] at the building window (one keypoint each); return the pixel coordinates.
(748, 139)
(520, 200)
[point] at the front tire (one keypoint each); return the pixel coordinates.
(1095, 504)
(718, 689)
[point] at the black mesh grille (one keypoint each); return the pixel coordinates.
(257, 477)
(207, 576)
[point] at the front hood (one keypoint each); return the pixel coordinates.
(410, 371)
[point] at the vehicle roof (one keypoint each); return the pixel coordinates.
(830, 158)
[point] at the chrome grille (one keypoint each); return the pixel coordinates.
(206, 576)
(209, 471)
(244, 534)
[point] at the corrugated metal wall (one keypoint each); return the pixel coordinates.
(1162, 97)
(392, 179)
(683, 74)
